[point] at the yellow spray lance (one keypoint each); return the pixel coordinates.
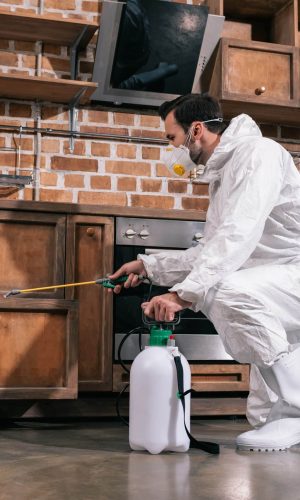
(106, 282)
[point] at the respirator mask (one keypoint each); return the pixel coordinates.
(178, 159)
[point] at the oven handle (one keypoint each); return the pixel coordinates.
(150, 251)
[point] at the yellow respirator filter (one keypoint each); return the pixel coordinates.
(178, 169)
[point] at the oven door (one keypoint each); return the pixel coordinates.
(195, 335)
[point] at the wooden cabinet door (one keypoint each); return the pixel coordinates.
(32, 252)
(90, 256)
(39, 349)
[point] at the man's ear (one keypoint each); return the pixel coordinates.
(197, 129)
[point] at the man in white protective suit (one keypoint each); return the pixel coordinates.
(245, 274)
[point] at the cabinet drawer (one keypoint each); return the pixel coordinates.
(254, 72)
(205, 378)
(259, 74)
(220, 377)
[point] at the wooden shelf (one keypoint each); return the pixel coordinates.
(50, 29)
(33, 88)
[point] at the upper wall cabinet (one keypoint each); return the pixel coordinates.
(255, 68)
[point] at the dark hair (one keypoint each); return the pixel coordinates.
(194, 107)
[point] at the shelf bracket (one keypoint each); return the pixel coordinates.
(73, 116)
(74, 48)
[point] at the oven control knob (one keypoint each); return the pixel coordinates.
(198, 236)
(144, 234)
(130, 233)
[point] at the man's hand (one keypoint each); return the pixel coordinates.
(132, 269)
(163, 307)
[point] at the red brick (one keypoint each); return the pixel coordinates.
(151, 185)
(79, 148)
(97, 116)
(28, 194)
(74, 180)
(28, 61)
(126, 184)
(100, 149)
(79, 164)
(175, 186)
(21, 110)
(4, 44)
(100, 182)
(269, 130)
(162, 170)
(116, 199)
(147, 201)
(149, 153)
(24, 46)
(26, 144)
(152, 134)
(195, 204)
(123, 119)
(8, 59)
(56, 64)
(126, 151)
(128, 167)
(200, 189)
(150, 121)
(56, 195)
(90, 6)
(290, 132)
(48, 48)
(48, 179)
(49, 112)
(9, 160)
(50, 145)
(104, 130)
(57, 4)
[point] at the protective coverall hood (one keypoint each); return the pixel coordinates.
(240, 128)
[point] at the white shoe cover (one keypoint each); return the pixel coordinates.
(273, 436)
(283, 377)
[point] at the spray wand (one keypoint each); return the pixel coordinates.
(106, 282)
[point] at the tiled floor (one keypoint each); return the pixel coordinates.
(92, 461)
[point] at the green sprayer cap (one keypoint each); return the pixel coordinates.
(159, 336)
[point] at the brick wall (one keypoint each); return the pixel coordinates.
(97, 171)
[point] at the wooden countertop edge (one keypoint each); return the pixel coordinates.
(75, 208)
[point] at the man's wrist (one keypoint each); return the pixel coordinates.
(181, 301)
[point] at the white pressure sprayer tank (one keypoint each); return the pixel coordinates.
(156, 418)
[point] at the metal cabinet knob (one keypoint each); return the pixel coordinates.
(198, 236)
(130, 233)
(90, 231)
(144, 233)
(260, 90)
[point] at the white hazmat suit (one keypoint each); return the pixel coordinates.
(245, 274)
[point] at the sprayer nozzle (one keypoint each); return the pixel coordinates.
(12, 292)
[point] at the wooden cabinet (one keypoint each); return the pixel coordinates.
(255, 77)
(90, 256)
(42, 354)
(255, 69)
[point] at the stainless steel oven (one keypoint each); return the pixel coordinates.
(195, 335)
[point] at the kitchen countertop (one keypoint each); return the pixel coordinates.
(40, 206)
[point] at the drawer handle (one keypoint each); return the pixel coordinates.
(260, 90)
(90, 231)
